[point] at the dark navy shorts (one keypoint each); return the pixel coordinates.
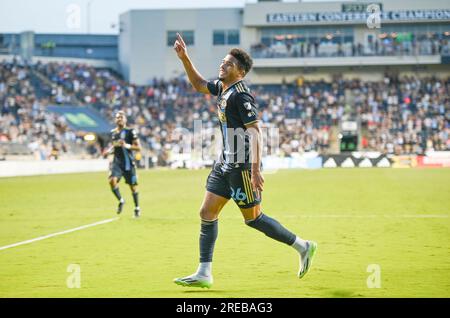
(233, 184)
(116, 170)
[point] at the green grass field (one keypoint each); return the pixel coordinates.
(398, 219)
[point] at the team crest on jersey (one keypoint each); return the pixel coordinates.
(248, 105)
(222, 116)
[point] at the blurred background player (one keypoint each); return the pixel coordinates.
(237, 174)
(124, 143)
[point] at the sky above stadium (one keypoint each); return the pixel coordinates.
(71, 16)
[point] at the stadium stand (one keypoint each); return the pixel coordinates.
(399, 115)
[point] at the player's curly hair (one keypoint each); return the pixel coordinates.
(244, 59)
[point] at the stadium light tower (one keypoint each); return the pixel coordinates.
(89, 16)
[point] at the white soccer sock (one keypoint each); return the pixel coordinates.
(300, 245)
(204, 269)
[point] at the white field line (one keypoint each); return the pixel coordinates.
(40, 238)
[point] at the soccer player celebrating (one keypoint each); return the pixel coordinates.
(124, 142)
(237, 173)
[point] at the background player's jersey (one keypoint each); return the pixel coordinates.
(122, 156)
(236, 108)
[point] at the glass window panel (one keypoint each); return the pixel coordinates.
(188, 37)
(218, 37)
(233, 37)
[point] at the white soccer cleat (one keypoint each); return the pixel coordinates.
(195, 280)
(306, 259)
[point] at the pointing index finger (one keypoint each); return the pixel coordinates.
(180, 39)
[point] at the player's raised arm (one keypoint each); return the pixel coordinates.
(196, 79)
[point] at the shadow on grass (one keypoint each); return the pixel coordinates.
(206, 291)
(341, 293)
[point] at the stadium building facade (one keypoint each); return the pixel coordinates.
(290, 41)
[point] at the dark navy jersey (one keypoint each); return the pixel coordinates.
(236, 108)
(122, 156)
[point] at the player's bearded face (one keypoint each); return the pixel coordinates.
(229, 69)
(120, 120)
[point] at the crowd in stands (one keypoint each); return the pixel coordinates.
(23, 116)
(405, 115)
